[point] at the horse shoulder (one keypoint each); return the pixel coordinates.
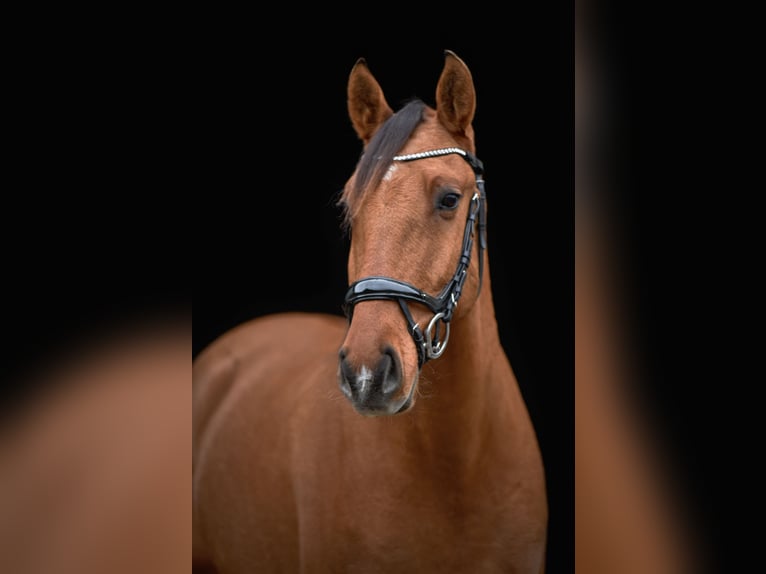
(250, 386)
(513, 509)
(256, 351)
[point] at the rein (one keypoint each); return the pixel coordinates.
(432, 343)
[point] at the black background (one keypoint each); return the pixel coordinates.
(268, 235)
(209, 158)
(152, 154)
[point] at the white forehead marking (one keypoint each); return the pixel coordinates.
(391, 169)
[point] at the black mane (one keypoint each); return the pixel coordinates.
(381, 149)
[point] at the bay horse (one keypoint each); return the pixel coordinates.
(395, 439)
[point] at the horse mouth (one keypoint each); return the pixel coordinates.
(372, 408)
(410, 400)
(406, 405)
(382, 409)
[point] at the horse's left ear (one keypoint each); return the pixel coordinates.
(455, 95)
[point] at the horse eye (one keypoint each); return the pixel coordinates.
(449, 201)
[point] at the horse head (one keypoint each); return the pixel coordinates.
(412, 206)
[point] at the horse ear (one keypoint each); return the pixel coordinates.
(367, 105)
(455, 95)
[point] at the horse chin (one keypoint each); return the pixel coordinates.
(390, 408)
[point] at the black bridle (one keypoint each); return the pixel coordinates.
(431, 345)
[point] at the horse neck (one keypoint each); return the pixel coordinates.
(463, 393)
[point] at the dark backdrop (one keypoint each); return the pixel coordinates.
(154, 164)
(268, 239)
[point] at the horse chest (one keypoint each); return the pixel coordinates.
(383, 520)
(343, 493)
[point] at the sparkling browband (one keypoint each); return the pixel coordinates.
(430, 153)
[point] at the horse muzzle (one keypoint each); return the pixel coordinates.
(375, 389)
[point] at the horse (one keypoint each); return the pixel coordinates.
(394, 439)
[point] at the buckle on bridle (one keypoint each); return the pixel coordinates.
(434, 346)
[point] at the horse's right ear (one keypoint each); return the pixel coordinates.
(367, 105)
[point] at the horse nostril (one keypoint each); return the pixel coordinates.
(389, 371)
(346, 372)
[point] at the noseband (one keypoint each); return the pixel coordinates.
(431, 345)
